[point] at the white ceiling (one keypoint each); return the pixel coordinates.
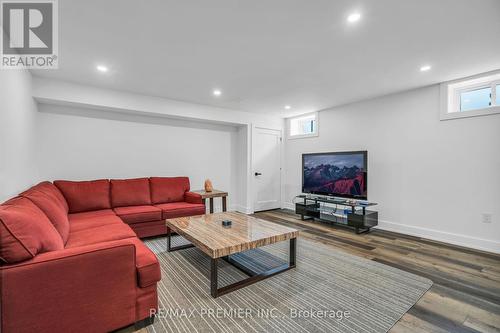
(264, 54)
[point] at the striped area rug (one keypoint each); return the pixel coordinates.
(328, 291)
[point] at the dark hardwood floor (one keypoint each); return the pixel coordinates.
(465, 296)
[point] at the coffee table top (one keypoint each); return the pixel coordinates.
(246, 232)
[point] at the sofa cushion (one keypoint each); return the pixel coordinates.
(149, 229)
(192, 197)
(25, 231)
(85, 195)
(130, 192)
(179, 209)
(89, 215)
(168, 189)
(53, 191)
(98, 234)
(148, 268)
(53, 208)
(82, 223)
(135, 214)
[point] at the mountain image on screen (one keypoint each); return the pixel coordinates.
(335, 174)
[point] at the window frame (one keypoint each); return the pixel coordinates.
(494, 96)
(302, 136)
(459, 92)
(451, 92)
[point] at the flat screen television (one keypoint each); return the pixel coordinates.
(339, 174)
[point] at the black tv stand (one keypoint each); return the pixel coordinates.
(352, 213)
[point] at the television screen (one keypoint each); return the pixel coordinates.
(341, 174)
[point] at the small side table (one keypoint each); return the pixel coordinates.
(211, 195)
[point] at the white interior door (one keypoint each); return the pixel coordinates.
(267, 169)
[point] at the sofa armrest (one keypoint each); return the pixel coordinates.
(192, 197)
(90, 288)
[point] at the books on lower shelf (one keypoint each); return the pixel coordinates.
(338, 211)
(335, 214)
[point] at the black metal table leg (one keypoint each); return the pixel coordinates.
(293, 252)
(248, 271)
(360, 231)
(254, 276)
(213, 277)
(211, 205)
(171, 248)
(169, 239)
(224, 204)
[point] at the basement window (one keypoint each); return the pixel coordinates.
(497, 93)
(303, 126)
(474, 96)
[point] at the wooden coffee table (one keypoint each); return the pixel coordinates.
(218, 242)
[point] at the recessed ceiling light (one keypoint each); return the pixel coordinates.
(217, 92)
(287, 107)
(425, 68)
(354, 17)
(102, 68)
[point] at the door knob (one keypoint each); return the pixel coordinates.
(258, 174)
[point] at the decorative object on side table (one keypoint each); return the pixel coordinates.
(208, 186)
(211, 195)
(226, 223)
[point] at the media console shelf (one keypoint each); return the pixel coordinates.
(351, 213)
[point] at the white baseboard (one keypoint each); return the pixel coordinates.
(230, 208)
(442, 236)
(432, 234)
(241, 209)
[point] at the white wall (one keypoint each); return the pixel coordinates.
(17, 133)
(431, 178)
(66, 93)
(242, 178)
(65, 97)
(80, 144)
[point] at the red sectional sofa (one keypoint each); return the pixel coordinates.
(70, 255)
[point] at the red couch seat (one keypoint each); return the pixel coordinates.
(179, 209)
(100, 234)
(49, 203)
(84, 196)
(70, 259)
(148, 268)
(90, 215)
(85, 289)
(25, 231)
(149, 229)
(136, 214)
(168, 189)
(130, 192)
(172, 196)
(52, 190)
(84, 224)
